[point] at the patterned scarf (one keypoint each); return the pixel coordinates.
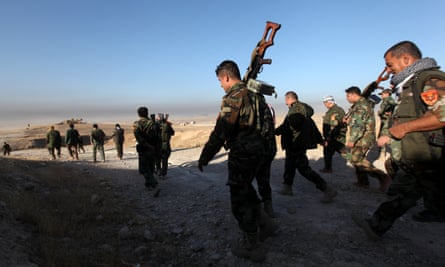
(421, 64)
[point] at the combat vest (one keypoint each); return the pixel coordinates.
(417, 148)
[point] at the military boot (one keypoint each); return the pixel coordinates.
(250, 248)
(362, 178)
(269, 209)
(329, 195)
(266, 225)
(385, 181)
(287, 190)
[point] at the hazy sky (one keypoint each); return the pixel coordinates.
(79, 57)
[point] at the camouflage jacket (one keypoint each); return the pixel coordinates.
(361, 124)
(333, 126)
(53, 138)
(118, 135)
(97, 136)
(166, 131)
(72, 137)
(235, 127)
(386, 107)
(146, 134)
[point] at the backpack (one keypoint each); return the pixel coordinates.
(264, 118)
(266, 125)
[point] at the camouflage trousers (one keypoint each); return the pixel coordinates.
(52, 151)
(363, 167)
(98, 148)
(243, 196)
(406, 189)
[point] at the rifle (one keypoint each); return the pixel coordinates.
(257, 61)
(384, 75)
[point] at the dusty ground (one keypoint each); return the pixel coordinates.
(191, 218)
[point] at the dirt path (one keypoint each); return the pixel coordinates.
(193, 210)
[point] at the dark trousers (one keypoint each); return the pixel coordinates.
(243, 196)
(298, 160)
(72, 150)
(263, 180)
(146, 167)
(163, 162)
(51, 150)
(120, 150)
(329, 151)
(406, 189)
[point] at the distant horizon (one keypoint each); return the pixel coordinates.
(20, 117)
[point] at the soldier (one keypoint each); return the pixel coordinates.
(236, 130)
(167, 132)
(147, 138)
(118, 139)
(72, 140)
(385, 110)
(6, 149)
(158, 145)
(361, 138)
(53, 142)
(416, 139)
(295, 141)
(98, 140)
(334, 132)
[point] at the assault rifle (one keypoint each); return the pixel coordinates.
(384, 75)
(257, 61)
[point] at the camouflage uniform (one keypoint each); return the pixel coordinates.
(98, 139)
(334, 133)
(53, 142)
(387, 106)
(361, 127)
(421, 165)
(167, 132)
(118, 139)
(72, 140)
(147, 139)
(236, 130)
(291, 141)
